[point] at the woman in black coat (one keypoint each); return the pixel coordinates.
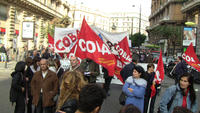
(149, 77)
(17, 92)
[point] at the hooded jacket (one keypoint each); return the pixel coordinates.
(17, 81)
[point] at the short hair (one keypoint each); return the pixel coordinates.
(180, 109)
(180, 58)
(150, 65)
(129, 109)
(139, 69)
(91, 96)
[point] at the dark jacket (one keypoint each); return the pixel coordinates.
(49, 87)
(2, 49)
(18, 81)
(70, 106)
(180, 68)
(127, 71)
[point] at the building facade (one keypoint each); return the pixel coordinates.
(128, 21)
(166, 24)
(14, 12)
(191, 9)
(112, 22)
(93, 17)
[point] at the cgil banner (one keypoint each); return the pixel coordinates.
(65, 39)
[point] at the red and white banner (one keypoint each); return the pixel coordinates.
(191, 58)
(123, 50)
(159, 74)
(89, 45)
(117, 42)
(65, 38)
(119, 66)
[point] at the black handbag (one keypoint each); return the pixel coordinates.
(122, 98)
(169, 103)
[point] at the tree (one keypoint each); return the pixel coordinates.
(137, 39)
(56, 22)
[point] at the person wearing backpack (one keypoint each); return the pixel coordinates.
(183, 94)
(17, 90)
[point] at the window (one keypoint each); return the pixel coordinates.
(3, 12)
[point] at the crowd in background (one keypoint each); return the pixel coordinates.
(48, 82)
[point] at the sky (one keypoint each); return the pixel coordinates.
(116, 5)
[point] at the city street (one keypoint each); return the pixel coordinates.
(110, 105)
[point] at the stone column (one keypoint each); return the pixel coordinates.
(10, 32)
(40, 34)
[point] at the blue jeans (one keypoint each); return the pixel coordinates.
(3, 57)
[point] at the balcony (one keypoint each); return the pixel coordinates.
(162, 7)
(37, 7)
(190, 4)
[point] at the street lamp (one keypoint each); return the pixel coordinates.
(139, 19)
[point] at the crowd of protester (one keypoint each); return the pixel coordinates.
(47, 82)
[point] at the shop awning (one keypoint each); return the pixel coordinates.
(17, 32)
(3, 30)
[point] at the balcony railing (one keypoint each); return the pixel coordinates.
(163, 6)
(189, 4)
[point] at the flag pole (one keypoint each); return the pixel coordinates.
(148, 110)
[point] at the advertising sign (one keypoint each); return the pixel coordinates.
(28, 30)
(189, 36)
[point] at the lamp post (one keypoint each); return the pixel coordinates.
(140, 21)
(139, 18)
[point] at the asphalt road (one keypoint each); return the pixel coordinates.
(110, 105)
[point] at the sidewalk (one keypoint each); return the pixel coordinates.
(10, 66)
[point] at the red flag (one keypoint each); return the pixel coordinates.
(89, 45)
(124, 51)
(118, 68)
(51, 41)
(159, 74)
(191, 58)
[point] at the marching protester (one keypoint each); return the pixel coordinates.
(44, 54)
(34, 67)
(53, 54)
(75, 64)
(134, 88)
(149, 77)
(59, 69)
(90, 99)
(29, 75)
(107, 79)
(17, 91)
(71, 85)
(44, 86)
(127, 71)
(65, 62)
(180, 68)
(52, 66)
(181, 94)
(3, 53)
(90, 69)
(35, 54)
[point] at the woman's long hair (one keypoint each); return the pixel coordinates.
(35, 60)
(71, 90)
(191, 88)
